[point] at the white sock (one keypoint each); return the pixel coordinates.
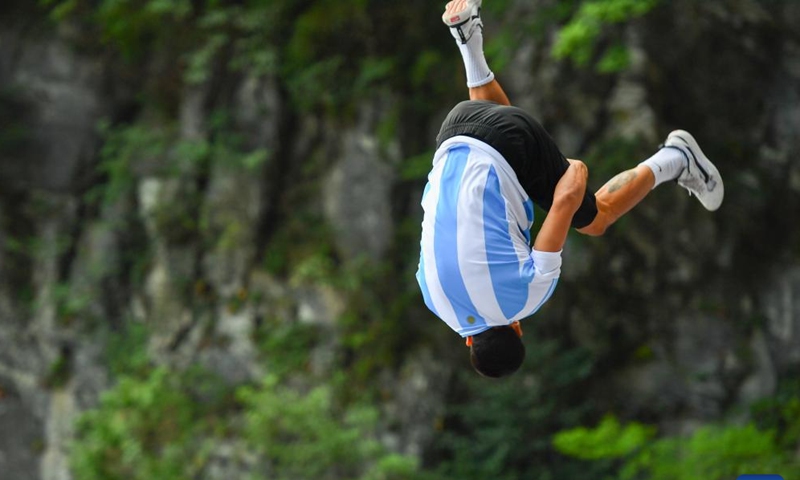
(478, 72)
(667, 164)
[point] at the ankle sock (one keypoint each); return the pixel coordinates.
(666, 164)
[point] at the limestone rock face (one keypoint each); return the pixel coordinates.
(58, 94)
(357, 192)
(783, 316)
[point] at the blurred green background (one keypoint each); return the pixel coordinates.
(209, 229)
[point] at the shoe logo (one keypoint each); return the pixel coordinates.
(455, 19)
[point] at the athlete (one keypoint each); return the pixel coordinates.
(478, 271)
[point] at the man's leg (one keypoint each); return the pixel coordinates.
(619, 196)
(492, 91)
(466, 26)
(680, 159)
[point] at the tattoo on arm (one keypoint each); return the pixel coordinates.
(621, 180)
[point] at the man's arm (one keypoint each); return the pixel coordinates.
(567, 199)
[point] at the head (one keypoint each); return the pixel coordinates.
(497, 352)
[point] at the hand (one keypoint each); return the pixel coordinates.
(571, 188)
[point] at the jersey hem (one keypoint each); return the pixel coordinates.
(497, 157)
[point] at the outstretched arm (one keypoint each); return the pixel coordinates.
(567, 198)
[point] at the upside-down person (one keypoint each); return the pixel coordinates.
(478, 271)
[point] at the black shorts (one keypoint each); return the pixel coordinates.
(524, 143)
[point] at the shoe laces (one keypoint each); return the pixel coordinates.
(467, 28)
(693, 184)
(689, 179)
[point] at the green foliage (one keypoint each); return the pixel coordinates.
(416, 167)
(615, 59)
(150, 428)
(608, 440)
(164, 424)
(326, 54)
(129, 25)
(305, 436)
(130, 151)
(501, 430)
(60, 371)
(713, 452)
(374, 327)
(426, 63)
(125, 147)
(301, 249)
(578, 38)
(286, 345)
(316, 268)
(126, 350)
(780, 413)
(70, 303)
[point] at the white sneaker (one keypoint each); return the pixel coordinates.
(700, 177)
(463, 17)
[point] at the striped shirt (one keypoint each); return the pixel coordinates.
(476, 268)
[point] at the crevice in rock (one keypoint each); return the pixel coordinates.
(17, 264)
(276, 178)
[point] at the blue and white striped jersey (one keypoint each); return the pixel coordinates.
(476, 268)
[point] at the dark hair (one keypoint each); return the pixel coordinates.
(497, 352)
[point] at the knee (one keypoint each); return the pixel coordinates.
(594, 229)
(598, 226)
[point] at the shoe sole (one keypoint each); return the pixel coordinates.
(713, 198)
(457, 18)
